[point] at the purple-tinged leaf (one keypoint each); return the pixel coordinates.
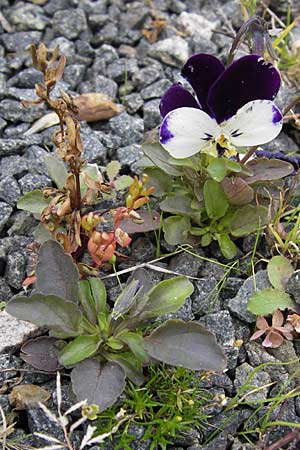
(185, 344)
(41, 353)
(268, 169)
(100, 385)
(248, 219)
(56, 273)
(53, 312)
(237, 191)
(149, 222)
(79, 349)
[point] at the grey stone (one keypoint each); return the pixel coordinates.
(14, 332)
(12, 146)
(283, 143)
(26, 78)
(212, 268)
(285, 353)
(20, 93)
(33, 181)
(200, 44)
(5, 212)
(186, 263)
(13, 111)
(152, 117)
(94, 150)
(216, 380)
(130, 154)
(74, 74)
(172, 51)
(205, 299)
(121, 69)
(5, 291)
(23, 224)
(15, 130)
(99, 83)
(15, 271)
(238, 445)
(260, 379)
(108, 35)
(20, 40)
(285, 95)
(9, 362)
(196, 25)
(38, 422)
(156, 90)
(5, 405)
(3, 123)
(238, 304)
(148, 75)
(189, 437)
(3, 85)
(13, 166)
(130, 129)
(35, 158)
(293, 287)
(9, 190)
(220, 324)
(28, 17)
(69, 23)
(133, 102)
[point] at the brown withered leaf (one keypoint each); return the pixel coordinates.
(94, 106)
(27, 394)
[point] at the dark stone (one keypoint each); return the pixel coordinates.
(156, 90)
(12, 364)
(13, 166)
(23, 223)
(5, 291)
(133, 102)
(74, 74)
(122, 69)
(204, 297)
(13, 111)
(130, 154)
(293, 287)
(99, 83)
(12, 146)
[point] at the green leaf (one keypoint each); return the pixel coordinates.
(177, 204)
(123, 182)
(206, 240)
(185, 344)
(112, 169)
(158, 179)
(280, 271)
(136, 344)
(237, 191)
(176, 229)
(248, 219)
(268, 300)
(87, 301)
(125, 300)
(79, 349)
(268, 169)
(56, 170)
(60, 316)
(98, 384)
(56, 273)
(33, 202)
(217, 169)
(41, 234)
(215, 200)
(99, 294)
(167, 297)
(232, 166)
(226, 245)
(160, 158)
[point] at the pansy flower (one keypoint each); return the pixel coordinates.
(232, 107)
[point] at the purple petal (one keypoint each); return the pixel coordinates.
(201, 71)
(176, 97)
(249, 78)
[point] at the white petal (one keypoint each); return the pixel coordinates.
(185, 131)
(256, 123)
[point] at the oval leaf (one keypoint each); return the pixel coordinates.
(80, 348)
(176, 229)
(50, 311)
(268, 169)
(41, 353)
(280, 271)
(56, 273)
(237, 191)
(33, 202)
(161, 181)
(185, 344)
(268, 300)
(166, 297)
(100, 385)
(151, 221)
(217, 169)
(248, 219)
(215, 200)
(56, 170)
(160, 158)
(177, 203)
